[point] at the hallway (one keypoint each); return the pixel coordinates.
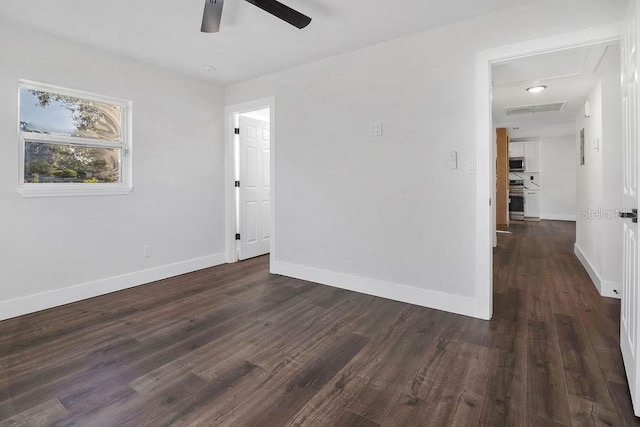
(560, 353)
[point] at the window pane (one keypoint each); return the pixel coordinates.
(54, 163)
(50, 113)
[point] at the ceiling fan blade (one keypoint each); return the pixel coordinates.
(212, 16)
(283, 12)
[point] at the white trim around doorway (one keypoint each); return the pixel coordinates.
(229, 159)
(485, 230)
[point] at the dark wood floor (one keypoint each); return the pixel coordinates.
(235, 346)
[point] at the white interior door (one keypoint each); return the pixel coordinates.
(629, 318)
(255, 189)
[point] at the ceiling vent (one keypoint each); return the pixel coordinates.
(532, 109)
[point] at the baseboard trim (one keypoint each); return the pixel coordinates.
(558, 217)
(42, 301)
(432, 299)
(610, 289)
(605, 288)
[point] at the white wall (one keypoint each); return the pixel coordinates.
(386, 215)
(589, 183)
(558, 178)
(599, 188)
(541, 129)
(95, 243)
(611, 147)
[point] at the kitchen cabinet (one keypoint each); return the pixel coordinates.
(532, 156)
(532, 205)
(530, 150)
(516, 149)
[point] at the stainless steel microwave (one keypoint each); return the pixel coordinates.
(516, 164)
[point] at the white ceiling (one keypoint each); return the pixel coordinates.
(569, 75)
(251, 42)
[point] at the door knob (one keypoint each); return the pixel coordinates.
(633, 215)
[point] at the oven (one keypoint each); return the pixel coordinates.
(516, 199)
(516, 205)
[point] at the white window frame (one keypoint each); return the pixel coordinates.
(124, 186)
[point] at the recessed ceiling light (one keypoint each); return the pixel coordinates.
(536, 89)
(209, 68)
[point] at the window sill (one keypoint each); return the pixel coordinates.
(70, 190)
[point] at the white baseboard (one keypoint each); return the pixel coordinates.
(439, 300)
(605, 288)
(42, 301)
(558, 217)
(610, 289)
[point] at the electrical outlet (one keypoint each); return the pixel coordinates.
(375, 129)
(146, 250)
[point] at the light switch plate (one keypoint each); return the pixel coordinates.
(375, 129)
(453, 159)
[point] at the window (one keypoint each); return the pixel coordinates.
(72, 143)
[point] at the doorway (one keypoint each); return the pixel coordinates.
(250, 180)
(485, 228)
(578, 94)
(539, 269)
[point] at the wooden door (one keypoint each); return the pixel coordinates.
(254, 188)
(629, 319)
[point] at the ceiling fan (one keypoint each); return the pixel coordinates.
(213, 14)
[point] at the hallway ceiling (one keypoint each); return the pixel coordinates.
(569, 75)
(251, 42)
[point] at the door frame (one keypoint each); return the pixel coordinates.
(230, 112)
(485, 187)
